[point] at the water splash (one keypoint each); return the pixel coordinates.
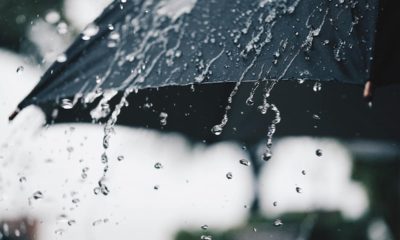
(278, 222)
(271, 130)
(108, 130)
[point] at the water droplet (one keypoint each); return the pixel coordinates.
(206, 237)
(22, 179)
(71, 222)
(267, 156)
(114, 36)
(59, 231)
(70, 149)
(66, 103)
(62, 28)
(254, 229)
(204, 227)
(104, 158)
(52, 17)
(163, 118)
(317, 87)
(96, 190)
(75, 200)
(120, 158)
(20, 69)
(178, 54)
(158, 166)
(370, 104)
(278, 223)
(318, 152)
(61, 58)
(303, 172)
(37, 195)
(97, 222)
(275, 204)
(216, 130)
(156, 187)
(90, 31)
(250, 101)
(245, 162)
(229, 175)
(316, 117)
(299, 190)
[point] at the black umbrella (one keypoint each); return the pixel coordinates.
(146, 44)
(138, 45)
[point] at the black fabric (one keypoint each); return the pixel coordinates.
(218, 41)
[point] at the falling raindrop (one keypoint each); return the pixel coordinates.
(317, 87)
(216, 130)
(70, 149)
(158, 165)
(22, 179)
(267, 156)
(120, 158)
(66, 103)
(278, 223)
(299, 190)
(37, 195)
(303, 172)
(71, 222)
(204, 227)
(229, 175)
(156, 187)
(96, 190)
(275, 203)
(206, 237)
(254, 229)
(52, 17)
(318, 152)
(75, 200)
(20, 69)
(97, 222)
(245, 162)
(59, 231)
(104, 158)
(62, 28)
(163, 118)
(316, 117)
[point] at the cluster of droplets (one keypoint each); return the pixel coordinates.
(108, 130)
(271, 130)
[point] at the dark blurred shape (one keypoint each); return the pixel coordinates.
(18, 229)
(387, 49)
(16, 17)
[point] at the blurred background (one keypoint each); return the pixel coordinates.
(162, 186)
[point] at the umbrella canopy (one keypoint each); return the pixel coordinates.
(142, 44)
(145, 45)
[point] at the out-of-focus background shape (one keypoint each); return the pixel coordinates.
(163, 186)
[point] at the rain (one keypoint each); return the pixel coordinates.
(192, 119)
